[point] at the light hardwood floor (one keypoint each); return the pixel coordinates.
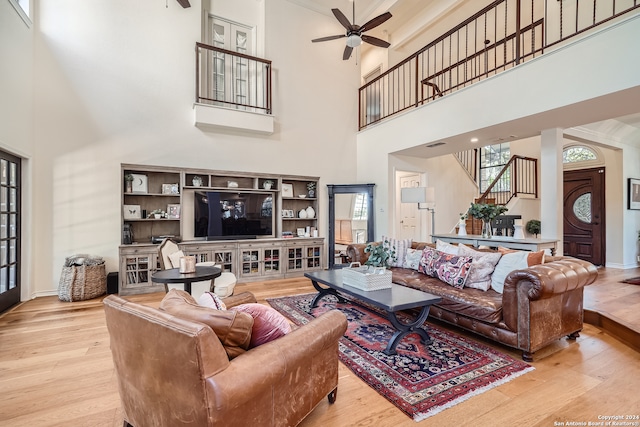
(56, 369)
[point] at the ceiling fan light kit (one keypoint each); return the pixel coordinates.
(354, 33)
(354, 40)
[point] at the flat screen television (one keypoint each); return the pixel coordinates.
(233, 215)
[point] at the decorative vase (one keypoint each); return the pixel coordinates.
(196, 181)
(267, 186)
(128, 186)
(517, 231)
(311, 213)
(487, 231)
(462, 228)
(302, 213)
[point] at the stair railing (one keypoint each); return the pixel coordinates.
(519, 177)
(470, 163)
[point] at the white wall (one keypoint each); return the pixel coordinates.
(16, 115)
(595, 81)
(114, 83)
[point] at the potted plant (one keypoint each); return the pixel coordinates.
(267, 184)
(380, 254)
(156, 213)
(486, 212)
(533, 227)
(311, 189)
(128, 183)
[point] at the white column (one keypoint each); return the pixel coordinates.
(551, 185)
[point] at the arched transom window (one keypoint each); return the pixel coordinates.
(578, 153)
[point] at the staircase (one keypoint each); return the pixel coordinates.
(518, 178)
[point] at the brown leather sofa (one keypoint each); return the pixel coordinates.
(539, 304)
(175, 372)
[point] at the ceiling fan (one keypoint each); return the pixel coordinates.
(354, 32)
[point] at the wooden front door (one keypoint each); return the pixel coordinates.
(584, 215)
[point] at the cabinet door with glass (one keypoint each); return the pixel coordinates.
(250, 261)
(295, 257)
(313, 256)
(138, 264)
(260, 259)
(222, 254)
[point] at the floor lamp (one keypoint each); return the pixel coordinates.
(421, 195)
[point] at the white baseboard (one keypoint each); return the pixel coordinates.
(621, 266)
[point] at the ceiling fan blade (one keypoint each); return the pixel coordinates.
(375, 22)
(347, 53)
(324, 39)
(342, 19)
(374, 41)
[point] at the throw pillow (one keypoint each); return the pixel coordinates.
(232, 328)
(175, 258)
(412, 259)
(509, 262)
(211, 300)
(533, 258)
(482, 267)
(268, 324)
(400, 246)
(451, 269)
(447, 248)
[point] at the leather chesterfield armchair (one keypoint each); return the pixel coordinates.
(174, 372)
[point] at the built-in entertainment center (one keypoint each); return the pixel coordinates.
(257, 226)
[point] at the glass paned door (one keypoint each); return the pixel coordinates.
(230, 75)
(9, 230)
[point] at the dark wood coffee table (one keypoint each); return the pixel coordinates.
(173, 275)
(391, 300)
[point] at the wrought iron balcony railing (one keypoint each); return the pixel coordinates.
(499, 37)
(233, 80)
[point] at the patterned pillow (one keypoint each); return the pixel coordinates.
(412, 260)
(482, 267)
(400, 246)
(451, 269)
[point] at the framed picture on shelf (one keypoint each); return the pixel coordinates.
(634, 194)
(285, 213)
(170, 189)
(131, 212)
(173, 211)
(139, 183)
(287, 190)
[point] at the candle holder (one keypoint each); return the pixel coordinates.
(187, 264)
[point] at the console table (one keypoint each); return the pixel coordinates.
(527, 244)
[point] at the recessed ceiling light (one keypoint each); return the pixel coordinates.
(474, 140)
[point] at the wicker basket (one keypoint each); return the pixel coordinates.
(82, 282)
(365, 278)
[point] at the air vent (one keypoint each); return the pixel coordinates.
(435, 144)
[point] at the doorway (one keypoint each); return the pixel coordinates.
(410, 221)
(584, 230)
(9, 230)
(230, 77)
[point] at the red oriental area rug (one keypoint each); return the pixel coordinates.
(421, 381)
